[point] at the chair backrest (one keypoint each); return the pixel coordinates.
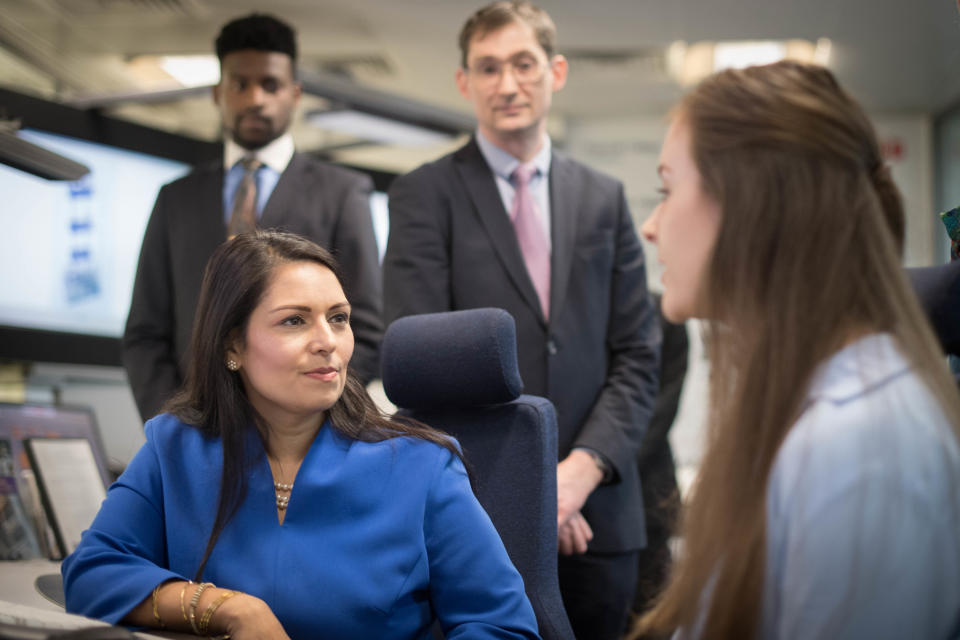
(457, 371)
(938, 289)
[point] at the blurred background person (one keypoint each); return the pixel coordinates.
(827, 503)
(263, 182)
(507, 221)
(275, 477)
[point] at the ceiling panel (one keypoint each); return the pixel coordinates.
(894, 55)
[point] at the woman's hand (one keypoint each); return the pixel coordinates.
(243, 616)
(247, 617)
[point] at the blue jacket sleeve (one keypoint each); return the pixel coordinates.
(476, 591)
(121, 557)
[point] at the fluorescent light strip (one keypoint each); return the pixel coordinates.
(689, 64)
(192, 71)
(376, 129)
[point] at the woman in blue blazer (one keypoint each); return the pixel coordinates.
(274, 477)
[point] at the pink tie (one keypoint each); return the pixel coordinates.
(531, 235)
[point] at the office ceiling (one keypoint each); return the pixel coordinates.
(894, 55)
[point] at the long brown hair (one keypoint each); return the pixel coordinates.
(807, 258)
(212, 398)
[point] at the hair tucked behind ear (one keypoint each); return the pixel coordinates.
(213, 398)
(807, 258)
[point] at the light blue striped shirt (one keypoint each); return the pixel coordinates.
(503, 165)
(275, 158)
(863, 507)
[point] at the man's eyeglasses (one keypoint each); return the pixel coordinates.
(489, 72)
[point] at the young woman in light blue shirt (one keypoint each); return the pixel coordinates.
(828, 502)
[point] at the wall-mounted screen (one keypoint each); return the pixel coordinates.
(68, 250)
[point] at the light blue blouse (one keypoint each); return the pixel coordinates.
(863, 507)
(379, 540)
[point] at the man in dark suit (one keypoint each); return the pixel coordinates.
(554, 245)
(261, 182)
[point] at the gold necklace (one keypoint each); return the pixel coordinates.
(282, 488)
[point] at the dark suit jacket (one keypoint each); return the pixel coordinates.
(452, 246)
(327, 204)
(938, 288)
(658, 474)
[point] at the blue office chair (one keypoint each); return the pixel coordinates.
(457, 372)
(938, 289)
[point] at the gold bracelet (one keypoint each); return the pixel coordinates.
(208, 614)
(156, 610)
(193, 605)
(183, 608)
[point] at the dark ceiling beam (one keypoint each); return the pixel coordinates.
(347, 93)
(18, 40)
(340, 91)
(106, 100)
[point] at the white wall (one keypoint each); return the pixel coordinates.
(907, 143)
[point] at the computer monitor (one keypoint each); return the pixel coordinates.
(69, 249)
(19, 421)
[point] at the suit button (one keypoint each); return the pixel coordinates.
(551, 347)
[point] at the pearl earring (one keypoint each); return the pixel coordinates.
(232, 364)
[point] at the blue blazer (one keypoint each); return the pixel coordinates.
(379, 540)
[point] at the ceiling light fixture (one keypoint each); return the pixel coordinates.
(192, 71)
(689, 64)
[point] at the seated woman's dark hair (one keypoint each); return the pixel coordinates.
(213, 399)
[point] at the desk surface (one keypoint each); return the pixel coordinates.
(17, 578)
(20, 602)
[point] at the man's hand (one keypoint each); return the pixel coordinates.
(573, 536)
(577, 477)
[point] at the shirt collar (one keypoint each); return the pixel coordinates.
(503, 164)
(276, 155)
(857, 368)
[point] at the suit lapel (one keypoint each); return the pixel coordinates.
(482, 188)
(210, 224)
(565, 189)
(282, 198)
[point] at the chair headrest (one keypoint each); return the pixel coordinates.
(451, 359)
(939, 291)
